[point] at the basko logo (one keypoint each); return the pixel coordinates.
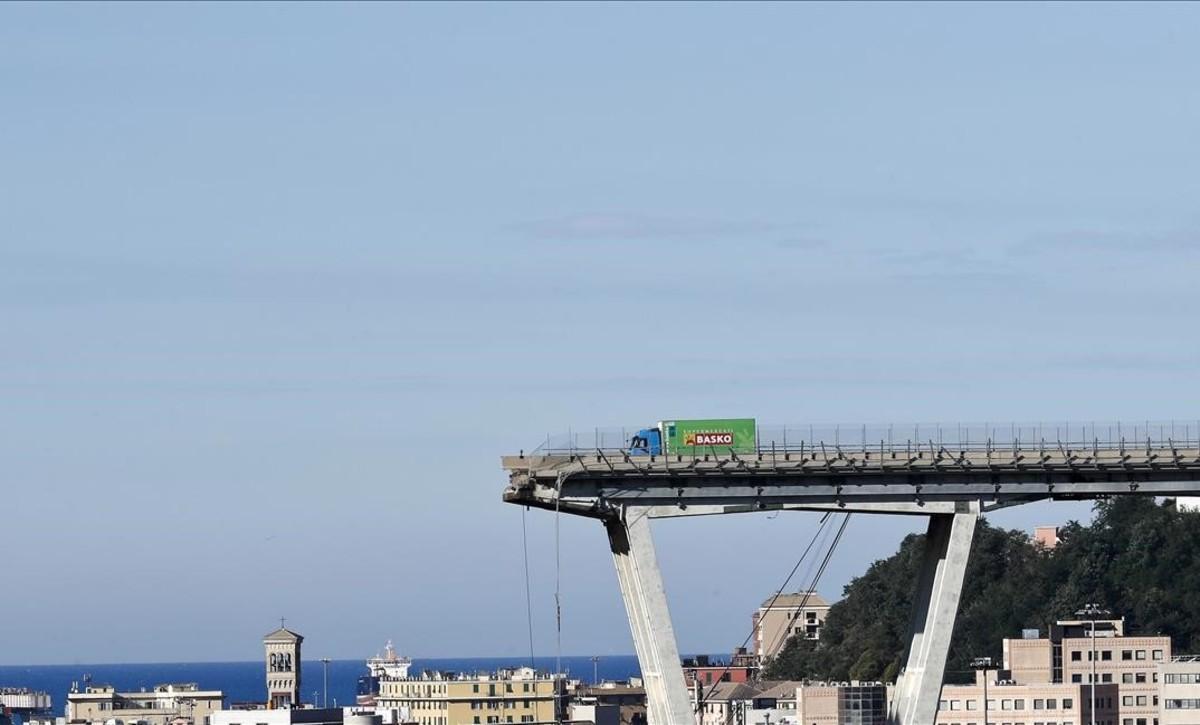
(708, 439)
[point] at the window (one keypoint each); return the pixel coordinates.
(1076, 677)
(1127, 678)
(1157, 655)
(1139, 654)
(1068, 703)
(1106, 655)
(1076, 656)
(1126, 654)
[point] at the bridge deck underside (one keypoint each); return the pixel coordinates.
(602, 483)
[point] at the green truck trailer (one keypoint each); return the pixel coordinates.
(681, 437)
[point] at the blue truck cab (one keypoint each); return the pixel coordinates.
(646, 442)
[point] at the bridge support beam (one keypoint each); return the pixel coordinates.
(935, 606)
(667, 699)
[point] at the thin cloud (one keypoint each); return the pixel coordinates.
(628, 226)
(802, 244)
(1083, 240)
(1127, 362)
(956, 267)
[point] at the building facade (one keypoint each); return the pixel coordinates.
(290, 716)
(507, 696)
(733, 703)
(1009, 702)
(282, 659)
(740, 667)
(1066, 656)
(175, 704)
(1046, 537)
(1179, 691)
(628, 697)
(799, 614)
(842, 703)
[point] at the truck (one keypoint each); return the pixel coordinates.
(696, 437)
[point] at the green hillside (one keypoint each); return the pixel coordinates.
(1137, 558)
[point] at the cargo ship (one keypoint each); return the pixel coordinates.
(385, 665)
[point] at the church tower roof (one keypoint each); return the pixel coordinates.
(283, 635)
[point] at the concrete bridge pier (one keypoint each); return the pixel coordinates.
(935, 607)
(667, 698)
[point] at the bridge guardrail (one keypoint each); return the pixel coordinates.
(909, 437)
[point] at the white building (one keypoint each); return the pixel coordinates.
(176, 704)
(296, 716)
(1179, 691)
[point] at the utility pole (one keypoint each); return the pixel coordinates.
(1091, 610)
(983, 663)
(325, 671)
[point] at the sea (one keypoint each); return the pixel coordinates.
(244, 681)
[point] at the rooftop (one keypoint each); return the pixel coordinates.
(283, 634)
(519, 674)
(792, 600)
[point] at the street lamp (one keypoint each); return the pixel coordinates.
(1091, 610)
(983, 663)
(325, 667)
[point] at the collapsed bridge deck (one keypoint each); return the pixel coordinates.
(598, 483)
(950, 481)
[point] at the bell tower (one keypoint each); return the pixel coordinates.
(283, 667)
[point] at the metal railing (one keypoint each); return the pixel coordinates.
(908, 437)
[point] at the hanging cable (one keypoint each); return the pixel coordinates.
(824, 520)
(812, 586)
(528, 593)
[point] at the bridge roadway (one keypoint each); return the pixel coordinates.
(952, 487)
(601, 483)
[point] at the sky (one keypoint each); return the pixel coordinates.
(279, 284)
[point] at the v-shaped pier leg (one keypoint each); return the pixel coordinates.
(935, 606)
(667, 699)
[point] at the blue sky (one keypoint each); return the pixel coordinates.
(279, 284)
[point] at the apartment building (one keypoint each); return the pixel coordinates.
(175, 704)
(1066, 656)
(1179, 691)
(740, 667)
(1012, 703)
(842, 703)
(628, 697)
(730, 703)
(800, 614)
(507, 696)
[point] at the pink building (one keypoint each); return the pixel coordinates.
(1009, 702)
(1067, 657)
